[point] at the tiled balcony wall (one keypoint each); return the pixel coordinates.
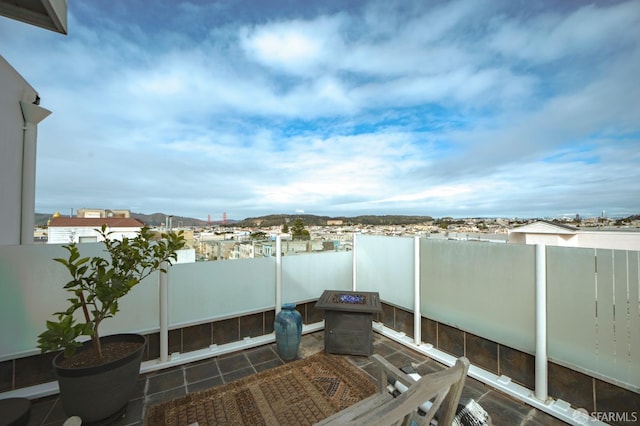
(475, 299)
(569, 385)
(584, 391)
(36, 369)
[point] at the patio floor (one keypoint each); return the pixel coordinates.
(165, 385)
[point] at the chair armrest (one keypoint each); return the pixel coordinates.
(387, 369)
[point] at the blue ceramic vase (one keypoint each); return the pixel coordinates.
(288, 327)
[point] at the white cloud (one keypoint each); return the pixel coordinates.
(458, 107)
(294, 46)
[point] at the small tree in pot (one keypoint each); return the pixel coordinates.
(97, 284)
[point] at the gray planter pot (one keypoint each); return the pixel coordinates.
(97, 393)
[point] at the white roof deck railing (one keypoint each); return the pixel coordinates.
(496, 291)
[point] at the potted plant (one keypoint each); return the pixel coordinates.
(97, 376)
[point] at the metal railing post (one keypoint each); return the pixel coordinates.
(541, 373)
(417, 316)
(354, 281)
(164, 314)
(278, 273)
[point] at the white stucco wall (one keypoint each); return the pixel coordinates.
(186, 256)
(13, 89)
(610, 240)
(68, 234)
(552, 240)
(615, 240)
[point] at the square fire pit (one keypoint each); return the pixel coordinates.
(348, 316)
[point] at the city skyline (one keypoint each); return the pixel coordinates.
(460, 109)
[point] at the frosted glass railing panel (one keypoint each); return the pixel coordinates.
(593, 317)
(484, 288)
(385, 265)
(139, 310)
(306, 276)
(571, 308)
(617, 321)
(203, 291)
(31, 290)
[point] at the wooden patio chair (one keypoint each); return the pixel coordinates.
(442, 388)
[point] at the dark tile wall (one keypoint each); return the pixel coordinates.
(387, 317)
(451, 340)
(252, 325)
(482, 352)
(226, 331)
(196, 337)
(404, 322)
(175, 341)
(314, 315)
(6, 376)
(572, 386)
(577, 388)
(518, 365)
(33, 370)
(153, 347)
(269, 319)
(429, 330)
(614, 399)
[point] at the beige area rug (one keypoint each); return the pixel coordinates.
(298, 393)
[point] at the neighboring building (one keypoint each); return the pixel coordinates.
(555, 234)
(103, 213)
(20, 114)
(64, 230)
(48, 14)
(19, 118)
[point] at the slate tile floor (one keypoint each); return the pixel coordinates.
(165, 385)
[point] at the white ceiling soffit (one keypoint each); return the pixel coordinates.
(48, 14)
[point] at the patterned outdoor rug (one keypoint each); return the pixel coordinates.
(298, 393)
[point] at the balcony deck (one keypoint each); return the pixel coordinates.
(165, 385)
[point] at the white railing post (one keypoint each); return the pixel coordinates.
(278, 273)
(354, 252)
(541, 373)
(417, 315)
(164, 314)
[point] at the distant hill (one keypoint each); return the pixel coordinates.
(41, 219)
(312, 220)
(155, 219)
(159, 219)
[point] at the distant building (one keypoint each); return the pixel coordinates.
(555, 234)
(64, 230)
(94, 213)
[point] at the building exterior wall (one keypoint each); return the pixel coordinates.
(102, 213)
(13, 89)
(185, 256)
(589, 239)
(552, 235)
(610, 240)
(65, 235)
(247, 251)
(552, 240)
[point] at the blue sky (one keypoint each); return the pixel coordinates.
(457, 108)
